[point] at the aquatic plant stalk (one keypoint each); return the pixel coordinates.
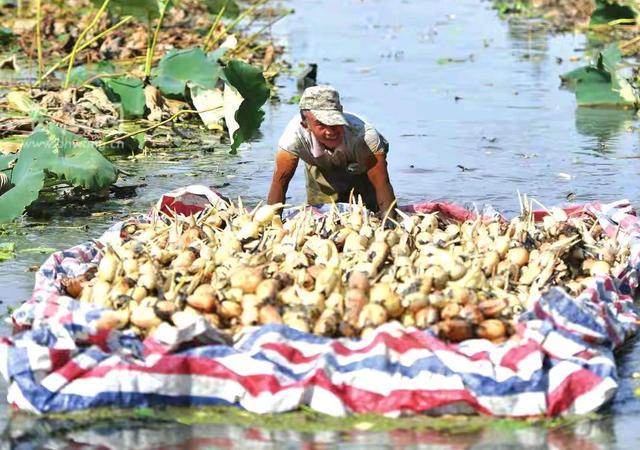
(241, 45)
(237, 20)
(614, 23)
(82, 47)
(105, 75)
(78, 42)
(153, 127)
(214, 25)
(39, 36)
(151, 48)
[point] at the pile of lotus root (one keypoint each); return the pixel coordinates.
(342, 273)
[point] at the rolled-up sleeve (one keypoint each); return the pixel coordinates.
(375, 141)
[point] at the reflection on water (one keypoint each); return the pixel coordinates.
(406, 66)
(605, 125)
(27, 433)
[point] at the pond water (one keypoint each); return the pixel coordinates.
(473, 109)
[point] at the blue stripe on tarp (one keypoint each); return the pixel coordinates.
(479, 384)
(286, 332)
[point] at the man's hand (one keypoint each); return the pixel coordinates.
(286, 164)
(379, 178)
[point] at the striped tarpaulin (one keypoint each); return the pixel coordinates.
(560, 361)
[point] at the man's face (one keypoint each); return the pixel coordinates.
(330, 136)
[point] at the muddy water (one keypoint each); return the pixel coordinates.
(473, 110)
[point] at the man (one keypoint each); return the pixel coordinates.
(342, 153)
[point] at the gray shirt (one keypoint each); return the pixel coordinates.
(331, 175)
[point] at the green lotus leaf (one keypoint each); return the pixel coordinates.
(50, 150)
(250, 83)
(600, 84)
(28, 183)
(141, 9)
(129, 92)
(80, 74)
(5, 160)
(179, 67)
(232, 9)
(6, 36)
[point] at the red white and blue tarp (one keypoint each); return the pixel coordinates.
(560, 361)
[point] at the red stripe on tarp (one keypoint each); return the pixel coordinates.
(99, 338)
(479, 356)
(513, 357)
(449, 209)
(571, 211)
(58, 358)
(176, 365)
(361, 401)
(71, 371)
(50, 309)
(568, 391)
(401, 344)
(358, 400)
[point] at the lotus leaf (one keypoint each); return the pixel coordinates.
(600, 84)
(251, 85)
(129, 91)
(5, 160)
(21, 101)
(141, 9)
(80, 74)
(128, 145)
(178, 67)
(232, 102)
(52, 150)
(209, 103)
(608, 11)
(6, 36)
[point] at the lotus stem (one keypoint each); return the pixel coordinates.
(83, 46)
(152, 127)
(614, 23)
(214, 25)
(253, 37)
(77, 44)
(105, 75)
(39, 36)
(152, 47)
(237, 20)
(74, 124)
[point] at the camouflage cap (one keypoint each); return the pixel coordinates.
(324, 103)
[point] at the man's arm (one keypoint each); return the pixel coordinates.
(286, 164)
(379, 178)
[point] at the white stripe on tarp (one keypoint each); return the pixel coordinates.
(488, 366)
(591, 400)
(15, 396)
(38, 356)
(516, 405)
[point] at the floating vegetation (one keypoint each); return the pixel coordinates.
(600, 84)
(199, 67)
